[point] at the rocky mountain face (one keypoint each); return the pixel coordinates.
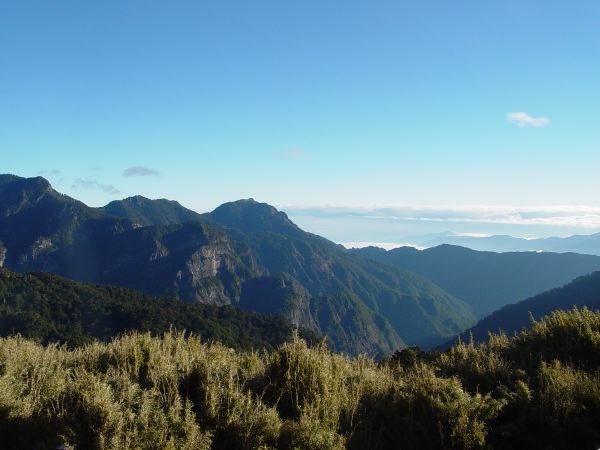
(243, 253)
(2, 254)
(485, 280)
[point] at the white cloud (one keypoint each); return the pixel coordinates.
(522, 119)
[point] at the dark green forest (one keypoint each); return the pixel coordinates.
(48, 308)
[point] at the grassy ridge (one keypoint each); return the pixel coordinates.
(540, 389)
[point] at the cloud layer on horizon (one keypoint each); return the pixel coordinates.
(578, 216)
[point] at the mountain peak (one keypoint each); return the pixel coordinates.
(145, 211)
(33, 182)
(250, 216)
(18, 194)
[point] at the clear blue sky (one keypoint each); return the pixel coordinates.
(305, 102)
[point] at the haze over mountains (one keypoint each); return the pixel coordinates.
(585, 244)
(250, 255)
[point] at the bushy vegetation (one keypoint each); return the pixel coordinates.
(540, 389)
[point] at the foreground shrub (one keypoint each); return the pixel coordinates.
(538, 390)
(422, 410)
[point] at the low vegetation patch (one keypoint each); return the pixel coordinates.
(540, 389)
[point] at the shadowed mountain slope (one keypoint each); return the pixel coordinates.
(485, 280)
(583, 291)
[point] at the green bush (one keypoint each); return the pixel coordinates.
(540, 389)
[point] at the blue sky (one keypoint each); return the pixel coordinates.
(360, 105)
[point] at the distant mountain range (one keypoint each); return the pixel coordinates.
(583, 291)
(584, 244)
(244, 253)
(486, 280)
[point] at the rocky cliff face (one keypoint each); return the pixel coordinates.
(213, 274)
(2, 254)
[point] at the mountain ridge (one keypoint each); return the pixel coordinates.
(362, 305)
(584, 291)
(487, 280)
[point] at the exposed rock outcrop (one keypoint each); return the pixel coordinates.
(2, 254)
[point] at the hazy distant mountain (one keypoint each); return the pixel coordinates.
(585, 244)
(244, 252)
(584, 291)
(143, 211)
(485, 280)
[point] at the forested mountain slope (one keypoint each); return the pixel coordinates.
(582, 292)
(49, 308)
(485, 280)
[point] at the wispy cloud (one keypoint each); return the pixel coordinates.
(296, 154)
(93, 184)
(522, 119)
(50, 172)
(140, 171)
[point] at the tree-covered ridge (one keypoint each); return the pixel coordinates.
(48, 308)
(538, 390)
(144, 212)
(582, 292)
(485, 280)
